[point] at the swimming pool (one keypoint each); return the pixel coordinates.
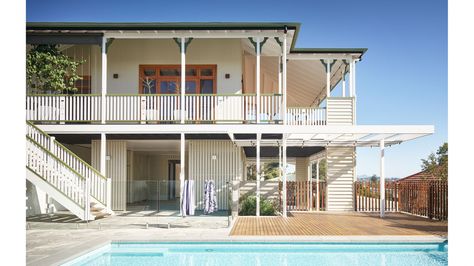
(268, 253)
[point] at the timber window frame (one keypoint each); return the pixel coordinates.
(157, 77)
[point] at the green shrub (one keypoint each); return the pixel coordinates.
(248, 206)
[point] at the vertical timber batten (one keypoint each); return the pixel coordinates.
(218, 160)
(116, 169)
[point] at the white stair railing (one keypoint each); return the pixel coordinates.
(59, 175)
(98, 183)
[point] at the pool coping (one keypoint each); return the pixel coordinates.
(95, 244)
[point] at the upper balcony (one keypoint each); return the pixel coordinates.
(166, 108)
(239, 75)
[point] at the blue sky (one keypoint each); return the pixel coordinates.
(402, 79)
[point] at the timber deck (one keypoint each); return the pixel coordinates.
(337, 224)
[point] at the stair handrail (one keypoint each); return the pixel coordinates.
(55, 157)
(102, 191)
(67, 150)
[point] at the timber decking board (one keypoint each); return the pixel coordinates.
(351, 223)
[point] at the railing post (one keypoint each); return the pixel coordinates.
(87, 207)
(62, 109)
(109, 195)
(143, 110)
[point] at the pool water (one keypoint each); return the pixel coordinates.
(269, 253)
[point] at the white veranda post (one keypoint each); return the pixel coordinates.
(181, 172)
(310, 186)
(104, 79)
(328, 78)
(284, 82)
(317, 185)
(257, 78)
(283, 194)
(103, 169)
(258, 175)
(382, 178)
(183, 77)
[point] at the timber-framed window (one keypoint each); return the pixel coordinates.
(166, 79)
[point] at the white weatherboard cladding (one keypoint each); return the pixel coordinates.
(268, 189)
(116, 169)
(340, 111)
(340, 177)
(301, 169)
(125, 56)
(219, 160)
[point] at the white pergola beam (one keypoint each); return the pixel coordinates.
(416, 130)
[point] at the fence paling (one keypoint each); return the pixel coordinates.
(298, 195)
(426, 198)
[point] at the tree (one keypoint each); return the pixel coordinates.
(49, 70)
(437, 164)
(322, 170)
(269, 171)
(374, 178)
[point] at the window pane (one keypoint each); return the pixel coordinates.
(191, 72)
(168, 87)
(207, 86)
(149, 86)
(206, 72)
(169, 72)
(149, 72)
(191, 87)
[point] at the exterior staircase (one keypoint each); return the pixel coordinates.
(65, 177)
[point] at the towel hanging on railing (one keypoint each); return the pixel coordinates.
(210, 197)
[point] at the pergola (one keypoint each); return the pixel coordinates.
(303, 136)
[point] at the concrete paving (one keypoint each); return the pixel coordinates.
(57, 239)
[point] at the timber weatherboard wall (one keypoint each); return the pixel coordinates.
(268, 189)
(340, 111)
(227, 166)
(116, 169)
(124, 57)
(340, 178)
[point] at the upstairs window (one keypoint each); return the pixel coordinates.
(166, 79)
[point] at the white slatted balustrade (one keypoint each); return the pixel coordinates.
(98, 183)
(63, 108)
(58, 174)
(307, 116)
